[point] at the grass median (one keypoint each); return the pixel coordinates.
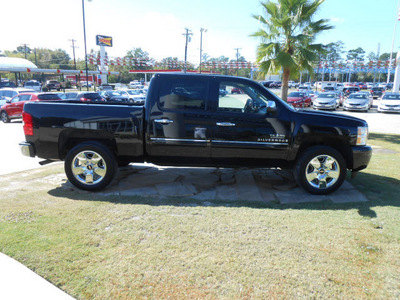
(116, 247)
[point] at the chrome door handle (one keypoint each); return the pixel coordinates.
(225, 124)
(164, 121)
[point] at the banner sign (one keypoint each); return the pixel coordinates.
(102, 40)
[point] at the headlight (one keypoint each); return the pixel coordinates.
(362, 136)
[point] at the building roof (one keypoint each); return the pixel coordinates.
(15, 62)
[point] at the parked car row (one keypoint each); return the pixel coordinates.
(12, 100)
(12, 109)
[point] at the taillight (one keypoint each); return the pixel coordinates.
(84, 99)
(28, 123)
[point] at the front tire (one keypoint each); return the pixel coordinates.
(320, 170)
(90, 166)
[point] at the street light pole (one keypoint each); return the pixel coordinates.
(201, 44)
(394, 34)
(84, 39)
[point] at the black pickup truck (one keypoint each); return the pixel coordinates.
(197, 120)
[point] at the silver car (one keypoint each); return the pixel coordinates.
(357, 102)
(327, 100)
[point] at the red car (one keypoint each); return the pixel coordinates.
(299, 99)
(236, 90)
(362, 85)
(12, 109)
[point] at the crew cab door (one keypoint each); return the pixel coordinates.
(179, 120)
(246, 126)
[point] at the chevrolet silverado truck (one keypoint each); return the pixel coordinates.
(187, 121)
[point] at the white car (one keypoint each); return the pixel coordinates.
(390, 102)
(135, 96)
(34, 85)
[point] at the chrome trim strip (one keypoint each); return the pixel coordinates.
(179, 140)
(249, 143)
(162, 140)
(225, 124)
(164, 121)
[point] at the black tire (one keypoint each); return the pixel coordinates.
(90, 166)
(122, 163)
(320, 170)
(4, 117)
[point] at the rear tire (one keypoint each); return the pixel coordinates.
(4, 117)
(90, 166)
(320, 170)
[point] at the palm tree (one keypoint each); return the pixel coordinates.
(287, 37)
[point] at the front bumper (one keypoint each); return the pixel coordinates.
(355, 107)
(317, 105)
(361, 157)
(386, 108)
(27, 149)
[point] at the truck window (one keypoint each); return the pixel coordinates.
(241, 98)
(183, 94)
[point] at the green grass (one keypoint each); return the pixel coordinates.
(130, 247)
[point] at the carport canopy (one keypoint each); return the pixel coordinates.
(21, 65)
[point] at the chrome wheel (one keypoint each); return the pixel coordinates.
(89, 167)
(322, 171)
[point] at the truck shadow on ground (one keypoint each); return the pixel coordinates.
(213, 187)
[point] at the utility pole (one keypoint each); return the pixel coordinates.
(201, 44)
(237, 60)
(73, 50)
(187, 35)
(25, 49)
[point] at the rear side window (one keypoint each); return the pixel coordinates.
(93, 96)
(183, 94)
(48, 97)
(25, 97)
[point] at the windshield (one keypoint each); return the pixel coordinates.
(326, 96)
(133, 92)
(295, 94)
(358, 96)
(391, 97)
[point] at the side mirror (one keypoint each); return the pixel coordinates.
(8, 101)
(271, 106)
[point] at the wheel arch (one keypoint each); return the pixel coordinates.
(70, 138)
(340, 145)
